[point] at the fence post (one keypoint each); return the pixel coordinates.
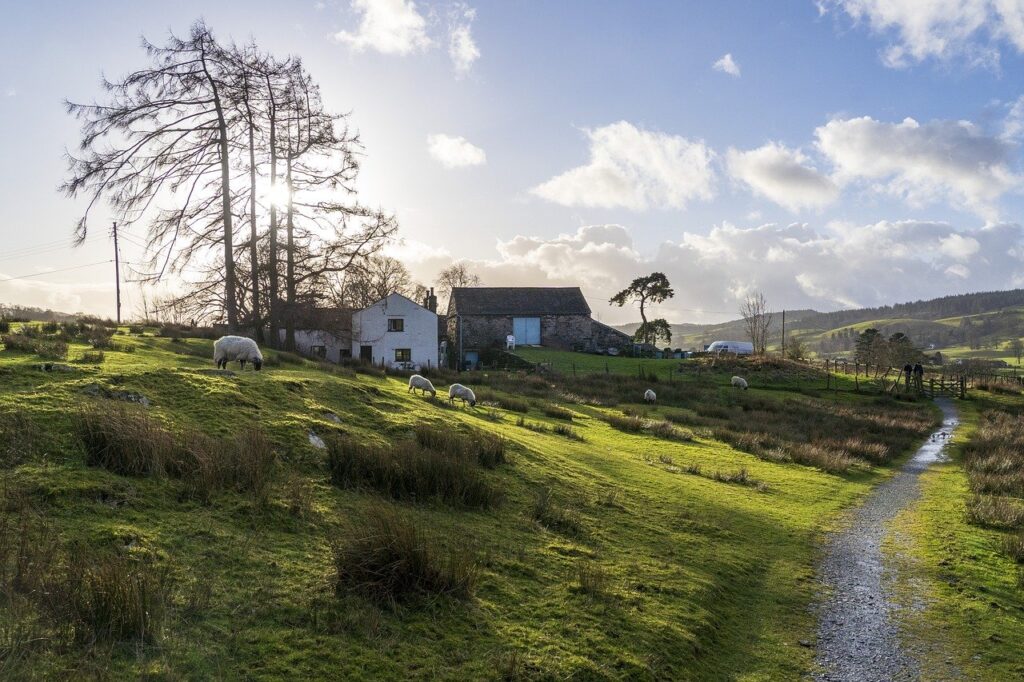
(574, 368)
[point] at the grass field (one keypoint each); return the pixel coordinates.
(628, 541)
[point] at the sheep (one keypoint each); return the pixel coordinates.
(422, 383)
(228, 348)
(650, 396)
(463, 393)
(739, 382)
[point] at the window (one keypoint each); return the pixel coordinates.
(396, 324)
(403, 355)
(318, 351)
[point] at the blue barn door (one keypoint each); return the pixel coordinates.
(526, 330)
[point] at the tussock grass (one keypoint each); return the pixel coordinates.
(407, 471)
(591, 578)
(487, 448)
(627, 424)
(92, 357)
(504, 401)
(1013, 547)
(995, 512)
(550, 514)
(19, 438)
(557, 412)
(125, 440)
(390, 558)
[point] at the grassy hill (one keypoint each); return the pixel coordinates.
(560, 529)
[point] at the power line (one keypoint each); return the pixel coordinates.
(51, 272)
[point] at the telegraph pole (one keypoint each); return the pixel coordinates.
(783, 333)
(117, 273)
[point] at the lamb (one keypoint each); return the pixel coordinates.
(650, 396)
(228, 348)
(463, 393)
(422, 383)
(739, 382)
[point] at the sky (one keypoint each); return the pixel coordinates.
(832, 154)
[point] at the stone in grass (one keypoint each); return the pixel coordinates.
(316, 441)
(331, 417)
(56, 367)
(97, 391)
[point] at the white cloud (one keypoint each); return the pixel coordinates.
(782, 175)
(795, 265)
(727, 65)
(387, 26)
(461, 47)
(455, 152)
(636, 169)
(939, 29)
(922, 163)
(1013, 124)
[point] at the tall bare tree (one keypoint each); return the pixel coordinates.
(163, 136)
(757, 319)
(372, 278)
(455, 276)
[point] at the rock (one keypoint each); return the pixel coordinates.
(97, 391)
(331, 417)
(804, 643)
(56, 367)
(316, 441)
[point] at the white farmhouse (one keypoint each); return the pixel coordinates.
(395, 331)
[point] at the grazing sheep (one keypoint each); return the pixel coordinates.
(422, 383)
(650, 396)
(739, 382)
(464, 394)
(228, 348)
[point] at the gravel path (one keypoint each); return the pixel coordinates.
(856, 639)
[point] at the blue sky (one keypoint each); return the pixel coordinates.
(589, 142)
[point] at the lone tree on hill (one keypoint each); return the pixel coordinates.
(758, 320)
(654, 288)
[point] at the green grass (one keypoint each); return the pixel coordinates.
(637, 569)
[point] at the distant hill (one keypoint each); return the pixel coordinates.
(984, 320)
(33, 313)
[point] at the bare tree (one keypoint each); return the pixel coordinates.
(455, 276)
(371, 279)
(164, 135)
(757, 319)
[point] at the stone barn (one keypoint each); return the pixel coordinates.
(556, 317)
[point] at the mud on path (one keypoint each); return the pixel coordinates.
(857, 638)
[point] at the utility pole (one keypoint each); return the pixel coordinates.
(117, 273)
(783, 333)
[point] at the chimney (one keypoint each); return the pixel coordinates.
(431, 301)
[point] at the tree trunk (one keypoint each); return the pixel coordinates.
(254, 261)
(230, 302)
(289, 322)
(274, 307)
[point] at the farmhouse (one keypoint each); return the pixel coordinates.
(559, 317)
(395, 331)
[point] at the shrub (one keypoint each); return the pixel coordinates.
(51, 349)
(390, 558)
(92, 357)
(5, 326)
(19, 342)
(123, 347)
(100, 337)
(406, 471)
(548, 513)
(50, 327)
(136, 329)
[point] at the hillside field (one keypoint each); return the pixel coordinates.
(616, 540)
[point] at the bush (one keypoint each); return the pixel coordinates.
(48, 349)
(1013, 547)
(125, 440)
(50, 327)
(100, 337)
(566, 431)
(389, 558)
(136, 329)
(19, 342)
(5, 326)
(406, 471)
(627, 424)
(123, 347)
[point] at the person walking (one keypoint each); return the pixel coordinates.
(919, 377)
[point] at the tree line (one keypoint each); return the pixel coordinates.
(244, 181)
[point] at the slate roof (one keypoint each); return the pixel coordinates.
(518, 301)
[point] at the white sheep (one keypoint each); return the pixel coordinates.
(739, 382)
(228, 348)
(463, 393)
(422, 383)
(650, 396)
